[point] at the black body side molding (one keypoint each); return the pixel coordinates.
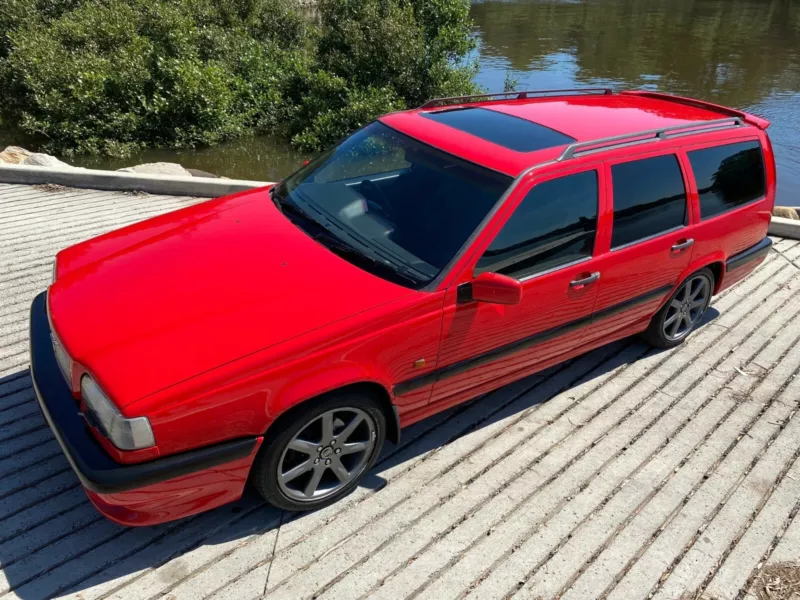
(410, 385)
(760, 250)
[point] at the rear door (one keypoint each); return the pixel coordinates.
(547, 243)
(650, 243)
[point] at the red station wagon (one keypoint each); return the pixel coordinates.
(281, 335)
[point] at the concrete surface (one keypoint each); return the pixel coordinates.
(786, 228)
(627, 473)
(95, 180)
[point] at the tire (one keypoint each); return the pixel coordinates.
(681, 314)
(303, 461)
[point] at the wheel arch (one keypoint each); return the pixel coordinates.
(714, 262)
(718, 270)
(371, 388)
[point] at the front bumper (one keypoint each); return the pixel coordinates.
(133, 494)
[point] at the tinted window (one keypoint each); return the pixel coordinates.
(553, 225)
(728, 176)
(649, 198)
(507, 131)
(389, 203)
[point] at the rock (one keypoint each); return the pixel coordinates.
(13, 155)
(44, 160)
(159, 168)
(199, 173)
(787, 212)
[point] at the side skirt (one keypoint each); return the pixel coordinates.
(431, 409)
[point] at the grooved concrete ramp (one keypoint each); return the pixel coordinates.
(627, 473)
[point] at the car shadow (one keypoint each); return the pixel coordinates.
(52, 541)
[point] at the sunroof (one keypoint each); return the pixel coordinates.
(496, 127)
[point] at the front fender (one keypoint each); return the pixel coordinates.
(321, 380)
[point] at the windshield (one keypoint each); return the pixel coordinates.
(391, 204)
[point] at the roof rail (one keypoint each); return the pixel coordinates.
(759, 122)
(649, 135)
(522, 95)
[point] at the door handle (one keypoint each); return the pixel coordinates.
(577, 284)
(682, 245)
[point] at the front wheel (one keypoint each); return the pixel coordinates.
(683, 312)
(321, 453)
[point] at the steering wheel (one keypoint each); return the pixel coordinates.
(386, 210)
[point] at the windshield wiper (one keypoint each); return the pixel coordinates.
(273, 195)
(320, 231)
(290, 210)
(339, 247)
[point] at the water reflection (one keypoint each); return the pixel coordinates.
(257, 158)
(742, 53)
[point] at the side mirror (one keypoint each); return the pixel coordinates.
(496, 289)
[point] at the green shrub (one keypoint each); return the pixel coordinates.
(377, 56)
(411, 46)
(108, 76)
(330, 109)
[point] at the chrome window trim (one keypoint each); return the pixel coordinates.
(648, 238)
(572, 263)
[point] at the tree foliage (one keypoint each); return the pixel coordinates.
(108, 76)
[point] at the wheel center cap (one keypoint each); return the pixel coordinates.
(326, 452)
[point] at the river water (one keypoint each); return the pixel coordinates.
(741, 53)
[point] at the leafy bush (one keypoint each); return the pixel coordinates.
(108, 76)
(376, 56)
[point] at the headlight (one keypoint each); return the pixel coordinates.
(125, 434)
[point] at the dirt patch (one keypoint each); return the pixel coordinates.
(778, 582)
(50, 187)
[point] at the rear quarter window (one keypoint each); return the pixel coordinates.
(649, 199)
(728, 176)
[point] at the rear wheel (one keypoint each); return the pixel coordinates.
(683, 312)
(320, 454)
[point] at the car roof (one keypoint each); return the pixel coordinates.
(460, 128)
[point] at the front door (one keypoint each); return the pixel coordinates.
(651, 241)
(547, 243)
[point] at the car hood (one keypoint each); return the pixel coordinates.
(156, 303)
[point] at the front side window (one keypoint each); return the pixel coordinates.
(391, 204)
(728, 176)
(649, 199)
(554, 225)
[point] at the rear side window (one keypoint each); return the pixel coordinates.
(728, 176)
(554, 225)
(649, 199)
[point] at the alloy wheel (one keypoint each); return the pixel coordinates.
(686, 309)
(328, 452)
